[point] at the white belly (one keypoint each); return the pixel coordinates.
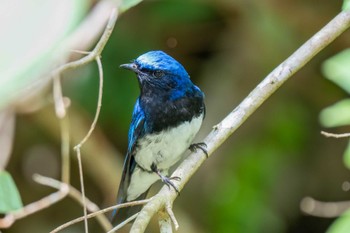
(165, 149)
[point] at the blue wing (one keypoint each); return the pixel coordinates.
(137, 129)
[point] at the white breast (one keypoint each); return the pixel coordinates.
(166, 148)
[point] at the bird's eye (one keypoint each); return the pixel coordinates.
(158, 73)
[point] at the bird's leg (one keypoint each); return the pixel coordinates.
(166, 180)
(200, 145)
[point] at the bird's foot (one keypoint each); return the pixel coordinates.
(201, 145)
(166, 180)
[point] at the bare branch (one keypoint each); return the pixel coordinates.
(164, 222)
(60, 108)
(122, 224)
(96, 52)
(240, 114)
(82, 188)
(99, 104)
(169, 210)
(141, 202)
(47, 201)
(77, 147)
(36, 206)
(333, 135)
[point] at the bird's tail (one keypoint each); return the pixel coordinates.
(121, 214)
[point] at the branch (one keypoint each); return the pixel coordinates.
(94, 214)
(36, 206)
(240, 114)
(334, 135)
(94, 53)
(47, 201)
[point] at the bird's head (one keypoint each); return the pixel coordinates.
(157, 71)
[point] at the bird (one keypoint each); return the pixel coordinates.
(167, 116)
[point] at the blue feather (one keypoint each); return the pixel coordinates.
(166, 117)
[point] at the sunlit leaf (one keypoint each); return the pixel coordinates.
(341, 225)
(346, 5)
(337, 69)
(337, 114)
(33, 42)
(126, 4)
(10, 199)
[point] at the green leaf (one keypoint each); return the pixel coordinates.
(337, 114)
(36, 33)
(346, 5)
(347, 156)
(10, 199)
(337, 69)
(127, 4)
(341, 225)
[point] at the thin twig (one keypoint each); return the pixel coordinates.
(58, 98)
(99, 104)
(61, 114)
(74, 221)
(171, 214)
(164, 222)
(76, 195)
(122, 224)
(34, 207)
(96, 52)
(65, 149)
(73, 192)
(240, 114)
(333, 135)
(93, 125)
(82, 188)
(92, 207)
(47, 201)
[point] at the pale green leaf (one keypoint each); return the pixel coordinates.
(10, 199)
(347, 156)
(341, 225)
(35, 34)
(127, 4)
(337, 69)
(337, 114)
(346, 5)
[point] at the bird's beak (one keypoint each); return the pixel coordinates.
(130, 66)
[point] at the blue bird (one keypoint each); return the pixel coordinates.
(166, 117)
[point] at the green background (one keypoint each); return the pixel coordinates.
(257, 179)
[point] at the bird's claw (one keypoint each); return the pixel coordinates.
(168, 182)
(201, 145)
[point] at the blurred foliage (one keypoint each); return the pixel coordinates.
(337, 114)
(336, 69)
(24, 61)
(256, 180)
(346, 5)
(8, 194)
(126, 4)
(342, 225)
